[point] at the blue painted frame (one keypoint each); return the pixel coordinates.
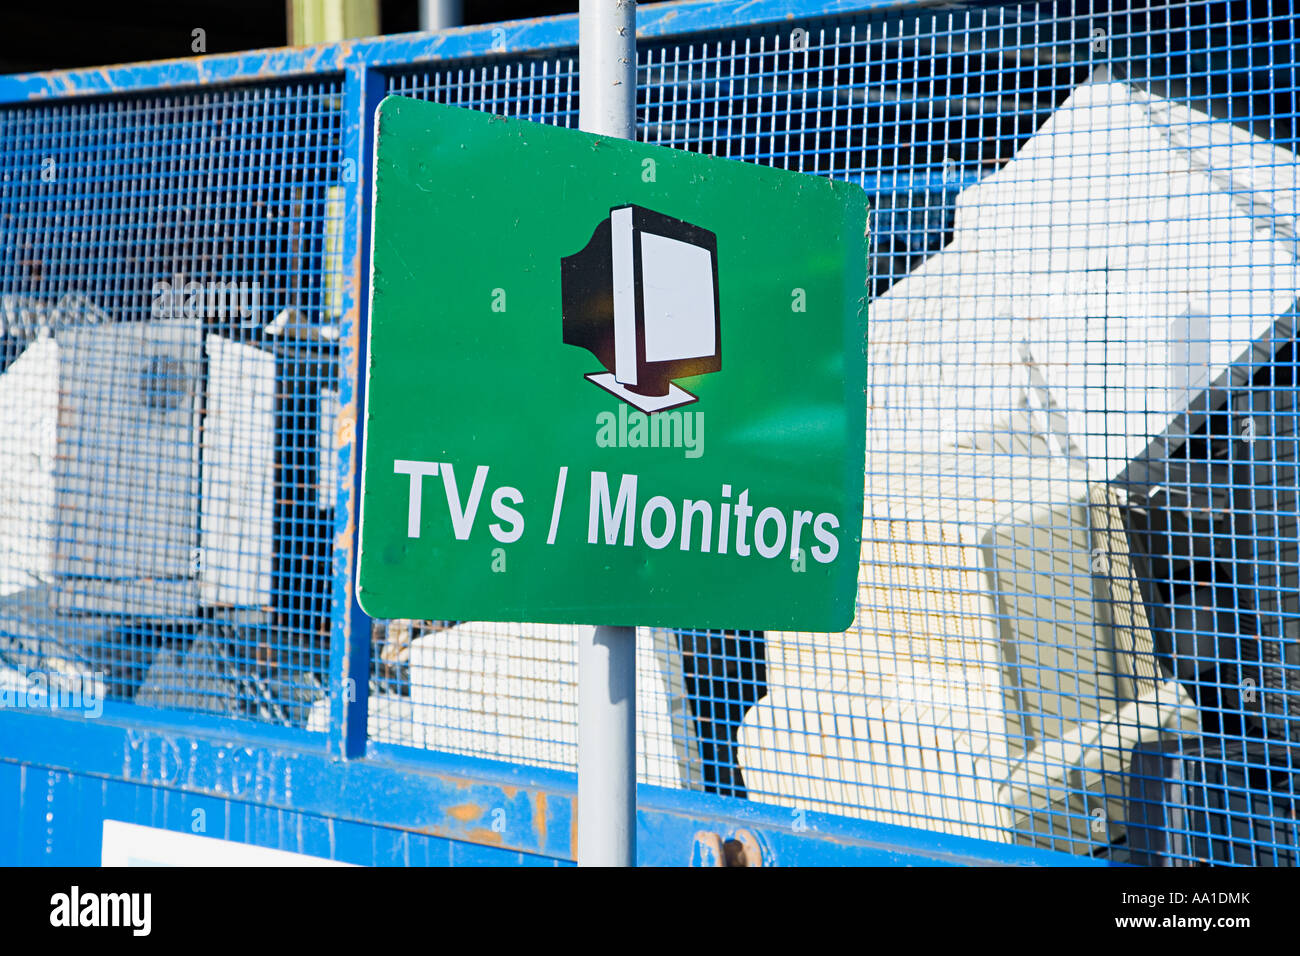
(338, 795)
(545, 33)
(158, 774)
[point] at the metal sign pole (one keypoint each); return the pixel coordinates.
(607, 657)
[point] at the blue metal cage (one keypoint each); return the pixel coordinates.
(1078, 627)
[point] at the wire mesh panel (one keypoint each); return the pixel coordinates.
(1079, 600)
(169, 309)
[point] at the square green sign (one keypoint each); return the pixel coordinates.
(608, 383)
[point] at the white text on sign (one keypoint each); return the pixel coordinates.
(617, 517)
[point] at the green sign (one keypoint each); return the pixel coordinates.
(608, 383)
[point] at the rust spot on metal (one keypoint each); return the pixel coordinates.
(476, 835)
(539, 818)
(343, 540)
(706, 850)
(465, 812)
(347, 425)
(573, 828)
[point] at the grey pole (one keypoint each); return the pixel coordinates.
(607, 657)
(439, 14)
(607, 67)
(607, 747)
